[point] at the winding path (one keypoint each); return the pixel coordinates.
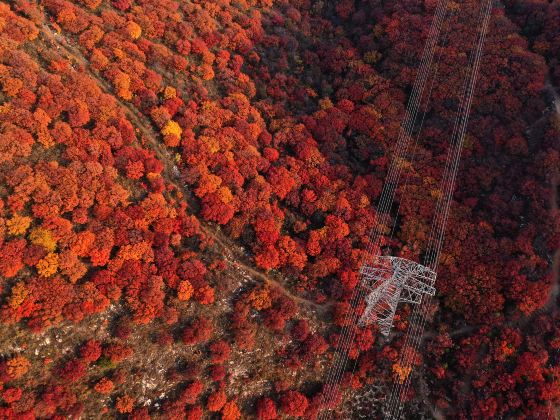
(51, 37)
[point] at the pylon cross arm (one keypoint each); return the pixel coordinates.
(391, 280)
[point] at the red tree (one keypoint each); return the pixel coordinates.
(293, 403)
(266, 409)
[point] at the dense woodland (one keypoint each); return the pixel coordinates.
(187, 188)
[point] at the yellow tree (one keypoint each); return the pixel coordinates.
(18, 225)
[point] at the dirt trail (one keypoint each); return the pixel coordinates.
(555, 289)
(149, 134)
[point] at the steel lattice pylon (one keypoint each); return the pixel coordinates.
(391, 280)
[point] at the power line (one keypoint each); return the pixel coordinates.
(348, 333)
(388, 280)
(416, 327)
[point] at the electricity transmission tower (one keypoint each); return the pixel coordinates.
(392, 280)
(386, 281)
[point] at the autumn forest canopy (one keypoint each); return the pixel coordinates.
(186, 193)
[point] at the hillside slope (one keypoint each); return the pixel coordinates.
(187, 187)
